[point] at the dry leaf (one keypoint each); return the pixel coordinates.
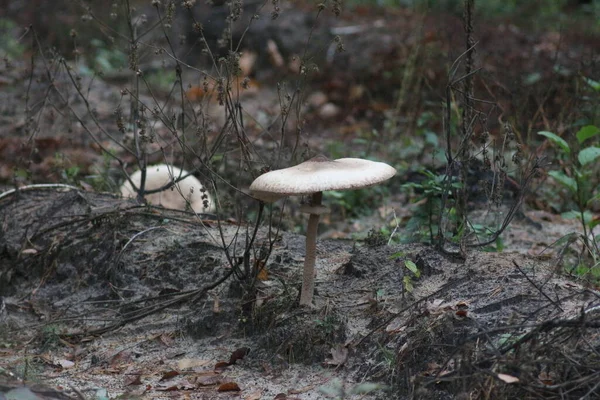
(165, 388)
(166, 339)
(210, 380)
(169, 375)
(221, 365)
(133, 380)
(247, 61)
(274, 54)
(238, 354)
(182, 384)
(122, 357)
(254, 395)
(86, 186)
(216, 306)
(339, 355)
(396, 326)
(191, 363)
(263, 275)
(546, 378)
(29, 251)
(229, 387)
(65, 364)
(508, 378)
(402, 350)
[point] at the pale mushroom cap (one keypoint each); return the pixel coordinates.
(319, 174)
(160, 175)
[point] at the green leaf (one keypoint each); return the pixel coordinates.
(397, 255)
(408, 285)
(412, 267)
(557, 140)
(587, 132)
(574, 214)
(588, 155)
(564, 180)
(595, 198)
(532, 78)
(593, 84)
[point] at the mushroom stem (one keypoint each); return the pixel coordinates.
(308, 279)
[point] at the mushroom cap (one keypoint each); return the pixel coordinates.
(160, 175)
(319, 174)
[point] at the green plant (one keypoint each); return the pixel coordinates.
(407, 281)
(329, 324)
(428, 194)
(49, 337)
(104, 59)
(482, 230)
(355, 203)
(102, 180)
(9, 46)
(579, 174)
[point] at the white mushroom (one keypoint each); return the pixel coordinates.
(313, 177)
(186, 190)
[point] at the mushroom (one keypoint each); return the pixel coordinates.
(189, 189)
(313, 177)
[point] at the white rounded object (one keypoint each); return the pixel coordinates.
(319, 174)
(177, 197)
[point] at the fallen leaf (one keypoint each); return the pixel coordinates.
(238, 354)
(274, 54)
(339, 355)
(86, 186)
(191, 363)
(29, 251)
(221, 365)
(211, 380)
(166, 339)
(247, 61)
(182, 384)
(254, 395)
(133, 380)
(229, 387)
(165, 388)
(169, 375)
(65, 364)
(546, 378)
(396, 326)
(301, 390)
(216, 305)
(263, 275)
(508, 378)
(402, 350)
(122, 357)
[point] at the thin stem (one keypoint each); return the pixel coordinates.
(308, 278)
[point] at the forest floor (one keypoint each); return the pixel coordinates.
(93, 264)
